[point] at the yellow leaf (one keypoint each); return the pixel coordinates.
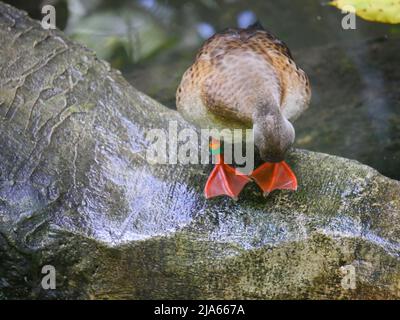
(387, 11)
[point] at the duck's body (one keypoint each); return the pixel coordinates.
(246, 78)
(237, 72)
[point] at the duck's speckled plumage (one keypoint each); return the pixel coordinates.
(240, 75)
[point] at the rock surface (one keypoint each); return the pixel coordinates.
(77, 193)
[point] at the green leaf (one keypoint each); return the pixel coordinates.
(386, 11)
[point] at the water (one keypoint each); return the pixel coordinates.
(355, 74)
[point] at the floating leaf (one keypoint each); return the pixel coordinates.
(387, 11)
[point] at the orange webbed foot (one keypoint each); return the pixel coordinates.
(272, 176)
(224, 180)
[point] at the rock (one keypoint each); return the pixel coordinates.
(77, 193)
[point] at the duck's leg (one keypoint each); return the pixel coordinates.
(223, 180)
(271, 176)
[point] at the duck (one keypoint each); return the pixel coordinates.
(246, 78)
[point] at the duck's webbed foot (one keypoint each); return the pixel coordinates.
(224, 180)
(271, 176)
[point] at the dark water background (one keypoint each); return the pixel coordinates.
(355, 74)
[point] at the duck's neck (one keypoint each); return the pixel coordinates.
(273, 133)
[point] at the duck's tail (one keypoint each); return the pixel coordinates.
(256, 26)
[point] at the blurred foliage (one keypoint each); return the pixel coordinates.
(121, 35)
(386, 11)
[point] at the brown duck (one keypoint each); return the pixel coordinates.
(247, 78)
